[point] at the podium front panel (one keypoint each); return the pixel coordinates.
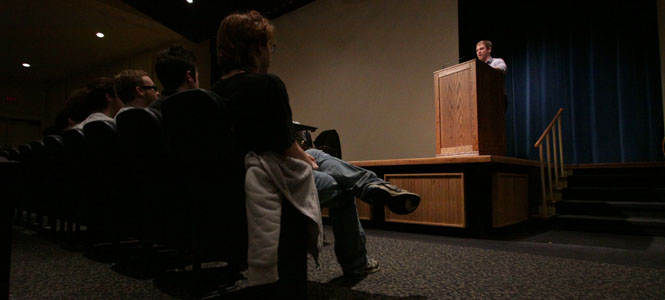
(456, 114)
(470, 108)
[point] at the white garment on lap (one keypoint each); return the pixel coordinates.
(270, 178)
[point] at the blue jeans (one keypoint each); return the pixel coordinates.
(337, 182)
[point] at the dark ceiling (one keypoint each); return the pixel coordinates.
(199, 20)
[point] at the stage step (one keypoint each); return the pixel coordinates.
(615, 193)
(648, 209)
(624, 225)
(654, 169)
(626, 199)
(614, 180)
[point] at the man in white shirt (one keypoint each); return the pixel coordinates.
(484, 53)
(102, 101)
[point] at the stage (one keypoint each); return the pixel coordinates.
(472, 193)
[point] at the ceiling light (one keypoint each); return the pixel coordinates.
(100, 35)
(26, 65)
(190, 1)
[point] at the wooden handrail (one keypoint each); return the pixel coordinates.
(547, 184)
(542, 136)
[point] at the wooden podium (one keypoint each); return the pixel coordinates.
(470, 108)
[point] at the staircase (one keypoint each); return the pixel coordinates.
(626, 199)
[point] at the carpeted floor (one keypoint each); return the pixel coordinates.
(517, 264)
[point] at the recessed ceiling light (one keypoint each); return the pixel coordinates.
(100, 35)
(190, 1)
(25, 65)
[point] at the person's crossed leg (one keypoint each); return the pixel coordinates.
(338, 183)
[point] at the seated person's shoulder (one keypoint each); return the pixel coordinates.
(276, 80)
(268, 80)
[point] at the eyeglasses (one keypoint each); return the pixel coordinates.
(147, 87)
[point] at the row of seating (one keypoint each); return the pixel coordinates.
(172, 178)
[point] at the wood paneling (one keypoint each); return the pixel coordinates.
(510, 199)
(491, 109)
(4, 141)
(364, 210)
(459, 150)
(455, 101)
(22, 132)
(470, 106)
(444, 160)
(442, 199)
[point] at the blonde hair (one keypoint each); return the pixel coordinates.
(487, 43)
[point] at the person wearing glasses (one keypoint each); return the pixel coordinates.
(102, 101)
(135, 88)
(261, 114)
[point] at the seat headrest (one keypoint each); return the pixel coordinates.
(73, 140)
(24, 152)
(13, 154)
(99, 127)
(195, 125)
(136, 116)
(194, 100)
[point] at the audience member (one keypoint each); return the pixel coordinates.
(262, 116)
(75, 111)
(135, 88)
(102, 101)
(176, 69)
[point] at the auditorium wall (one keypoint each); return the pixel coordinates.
(22, 108)
(365, 68)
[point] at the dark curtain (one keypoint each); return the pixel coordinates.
(599, 61)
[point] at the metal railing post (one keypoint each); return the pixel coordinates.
(542, 181)
(549, 168)
(560, 146)
(556, 162)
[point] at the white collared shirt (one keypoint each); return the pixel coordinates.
(93, 117)
(498, 64)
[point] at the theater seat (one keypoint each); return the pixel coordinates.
(102, 163)
(54, 151)
(142, 174)
(202, 151)
(24, 152)
(25, 188)
(198, 131)
(37, 178)
(13, 154)
(73, 141)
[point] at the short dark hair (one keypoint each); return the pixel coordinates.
(172, 64)
(126, 82)
(238, 38)
(97, 90)
(77, 108)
